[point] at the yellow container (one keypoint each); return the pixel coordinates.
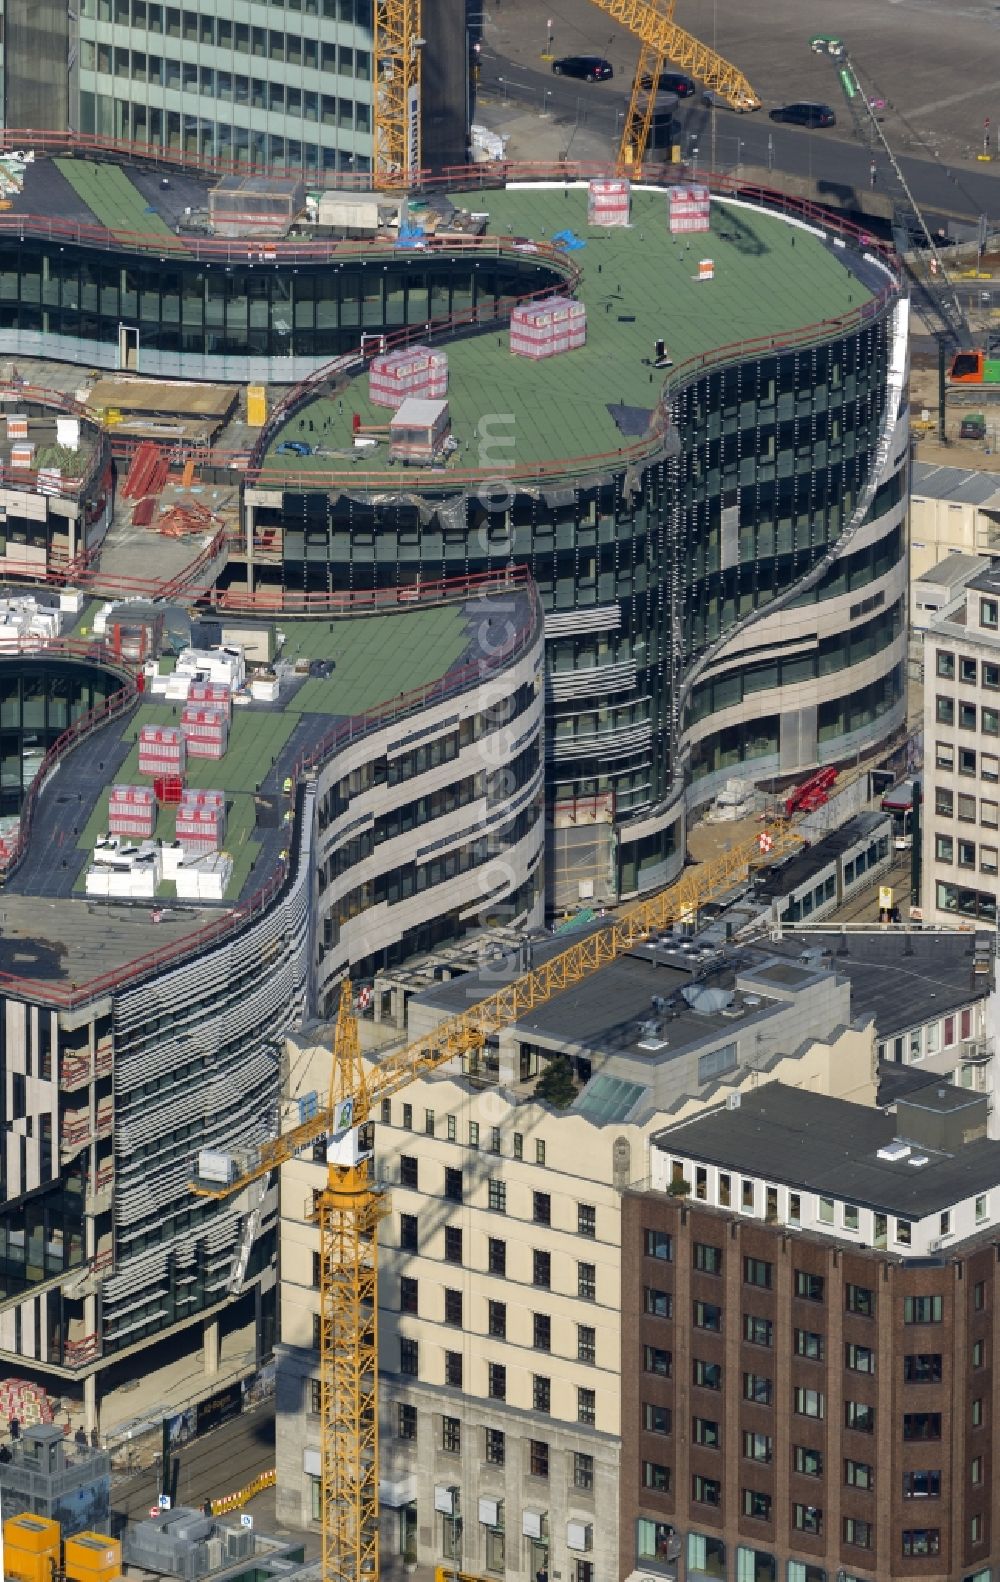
(92, 1556)
(256, 406)
(34, 1534)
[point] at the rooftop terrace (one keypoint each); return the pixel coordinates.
(639, 284)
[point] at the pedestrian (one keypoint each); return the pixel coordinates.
(80, 1437)
(5, 1455)
(95, 1439)
(15, 1428)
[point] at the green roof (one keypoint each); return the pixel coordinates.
(639, 284)
(375, 659)
(113, 199)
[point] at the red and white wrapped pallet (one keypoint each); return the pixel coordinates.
(206, 730)
(217, 693)
(609, 200)
(544, 329)
(161, 750)
(689, 207)
(201, 820)
(412, 371)
(132, 811)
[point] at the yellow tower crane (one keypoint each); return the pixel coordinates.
(397, 46)
(652, 23)
(351, 1205)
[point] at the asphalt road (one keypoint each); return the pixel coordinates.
(721, 140)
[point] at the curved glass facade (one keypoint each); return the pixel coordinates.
(39, 699)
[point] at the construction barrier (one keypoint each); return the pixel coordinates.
(233, 1502)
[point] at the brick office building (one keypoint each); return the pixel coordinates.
(809, 1389)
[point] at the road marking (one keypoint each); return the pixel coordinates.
(942, 104)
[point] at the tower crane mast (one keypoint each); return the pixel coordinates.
(350, 1206)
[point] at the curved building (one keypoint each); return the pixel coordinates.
(710, 495)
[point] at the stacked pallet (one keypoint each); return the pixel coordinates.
(132, 811)
(161, 750)
(26, 1401)
(413, 371)
(206, 730)
(688, 207)
(609, 201)
(217, 694)
(544, 329)
(201, 820)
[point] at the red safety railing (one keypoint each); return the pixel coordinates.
(226, 925)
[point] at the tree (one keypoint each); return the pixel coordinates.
(556, 1085)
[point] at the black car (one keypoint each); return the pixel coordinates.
(677, 82)
(805, 114)
(589, 68)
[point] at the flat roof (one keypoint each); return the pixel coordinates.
(900, 977)
(954, 570)
(830, 1146)
(51, 932)
(639, 284)
(963, 485)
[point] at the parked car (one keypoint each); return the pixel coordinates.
(677, 82)
(803, 114)
(589, 68)
(293, 447)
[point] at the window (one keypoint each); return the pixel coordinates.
(408, 1117)
(758, 1447)
(539, 1151)
(497, 1256)
(758, 1331)
(451, 1435)
(921, 1541)
(473, 1134)
(809, 1344)
(406, 1420)
(860, 1299)
(794, 1208)
(541, 1393)
(453, 1308)
(944, 848)
(922, 1485)
(316, 1398)
(922, 1367)
(708, 1315)
(659, 1303)
(317, 1332)
(967, 671)
(946, 664)
(408, 1171)
(978, 1353)
(921, 1425)
(453, 1185)
(859, 1475)
(976, 1471)
(586, 1282)
(496, 1447)
(538, 1458)
(807, 1518)
(541, 1208)
(656, 1360)
(967, 809)
(966, 859)
(429, 1122)
(852, 1218)
(808, 1403)
(944, 802)
(989, 813)
(451, 1126)
(808, 1461)
(757, 1504)
(659, 1245)
(808, 1286)
(452, 1244)
(708, 1375)
(966, 760)
(408, 1232)
(707, 1259)
(705, 1432)
(979, 1295)
(945, 755)
(494, 1139)
(518, 1145)
(453, 1369)
(706, 1491)
(586, 1343)
(497, 1381)
(408, 1294)
(656, 1477)
(586, 1219)
(725, 1189)
(922, 1309)
(655, 1419)
(976, 1413)
(541, 1269)
(991, 676)
(857, 1532)
(747, 1196)
(409, 1357)
(542, 1332)
(976, 1529)
(944, 711)
(497, 1199)
(497, 1322)
(860, 1416)
(988, 609)
(757, 1388)
(988, 859)
(385, 1113)
(860, 1359)
(757, 1272)
(583, 1470)
(967, 717)
(805, 1571)
(904, 1232)
(716, 1062)
(990, 768)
